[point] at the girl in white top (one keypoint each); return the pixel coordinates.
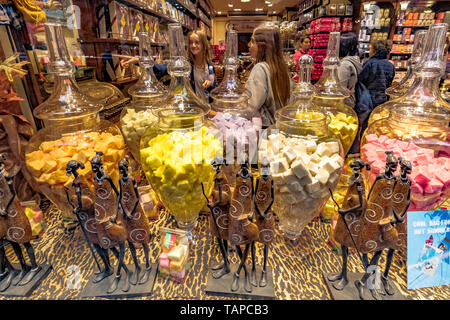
(269, 81)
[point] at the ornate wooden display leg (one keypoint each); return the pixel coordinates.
(105, 258)
(25, 268)
(224, 268)
(342, 277)
(135, 276)
(120, 255)
(263, 281)
(148, 266)
(235, 284)
(384, 278)
(361, 283)
(35, 268)
(253, 281)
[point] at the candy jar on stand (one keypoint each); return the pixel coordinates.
(416, 128)
(238, 125)
(72, 130)
(146, 94)
(305, 160)
(331, 94)
(177, 151)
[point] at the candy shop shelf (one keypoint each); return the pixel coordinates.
(335, 16)
(136, 6)
(119, 41)
(186, 9)
(412, 26)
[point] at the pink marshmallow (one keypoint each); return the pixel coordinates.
(164, 263)
(433, 186)
(416, 188)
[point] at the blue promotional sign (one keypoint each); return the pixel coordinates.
(428, 248)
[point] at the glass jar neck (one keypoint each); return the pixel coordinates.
(301, 122)
(173, 118)
(425, 87)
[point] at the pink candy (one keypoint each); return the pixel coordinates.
(430, 174)
(238, 128)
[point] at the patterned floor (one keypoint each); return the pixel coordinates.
(297, 268)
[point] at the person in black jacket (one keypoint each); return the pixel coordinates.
(377, 73)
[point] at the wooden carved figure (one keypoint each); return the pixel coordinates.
(376, 227)
(218, 220)
(110, 227)
(348, 223)
(241, 229)
(263, 201)
(83, 207)
(136, 222)
(16, 229)
(400, 203)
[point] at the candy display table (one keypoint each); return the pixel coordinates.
(297, 270)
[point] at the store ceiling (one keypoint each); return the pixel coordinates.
(268, 6)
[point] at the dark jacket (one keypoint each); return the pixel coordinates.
(377, 75)
(161, 70)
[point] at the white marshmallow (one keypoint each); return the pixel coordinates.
(310, 146)
(295, 186)
(315, 158)
(279, 165)
(334, 177)
(290, 177)
(313, 187)
(306, 180)
(289, 154)
(278, 179)
(323, 149)
(289, 198)
(322, 176)
(284, 189)
(313, 168)
(333, 147)
(299, 168)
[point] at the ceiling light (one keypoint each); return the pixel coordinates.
(404, 5)
(267, 2)
(237, 9)
(274, 12)
(269, 5)
(219, 12)
(245, 0)
(258, 9)
(230, 5)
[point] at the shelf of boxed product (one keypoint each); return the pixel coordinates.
(313, 19)
(166, 12)
(319, 33)
(185, 5)
(120, 41)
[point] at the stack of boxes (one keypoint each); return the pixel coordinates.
(174, 256)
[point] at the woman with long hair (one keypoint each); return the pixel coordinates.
(203, 78)
(269, 81)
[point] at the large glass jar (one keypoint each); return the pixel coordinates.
(424, 92)
(176, 156)
(238, 125)
(306, 161)
(405, 83)
(146, 94)
(416, 127)
(420, 136)
(72, 130)
(331, 95)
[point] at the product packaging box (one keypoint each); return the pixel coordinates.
(120, 22)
